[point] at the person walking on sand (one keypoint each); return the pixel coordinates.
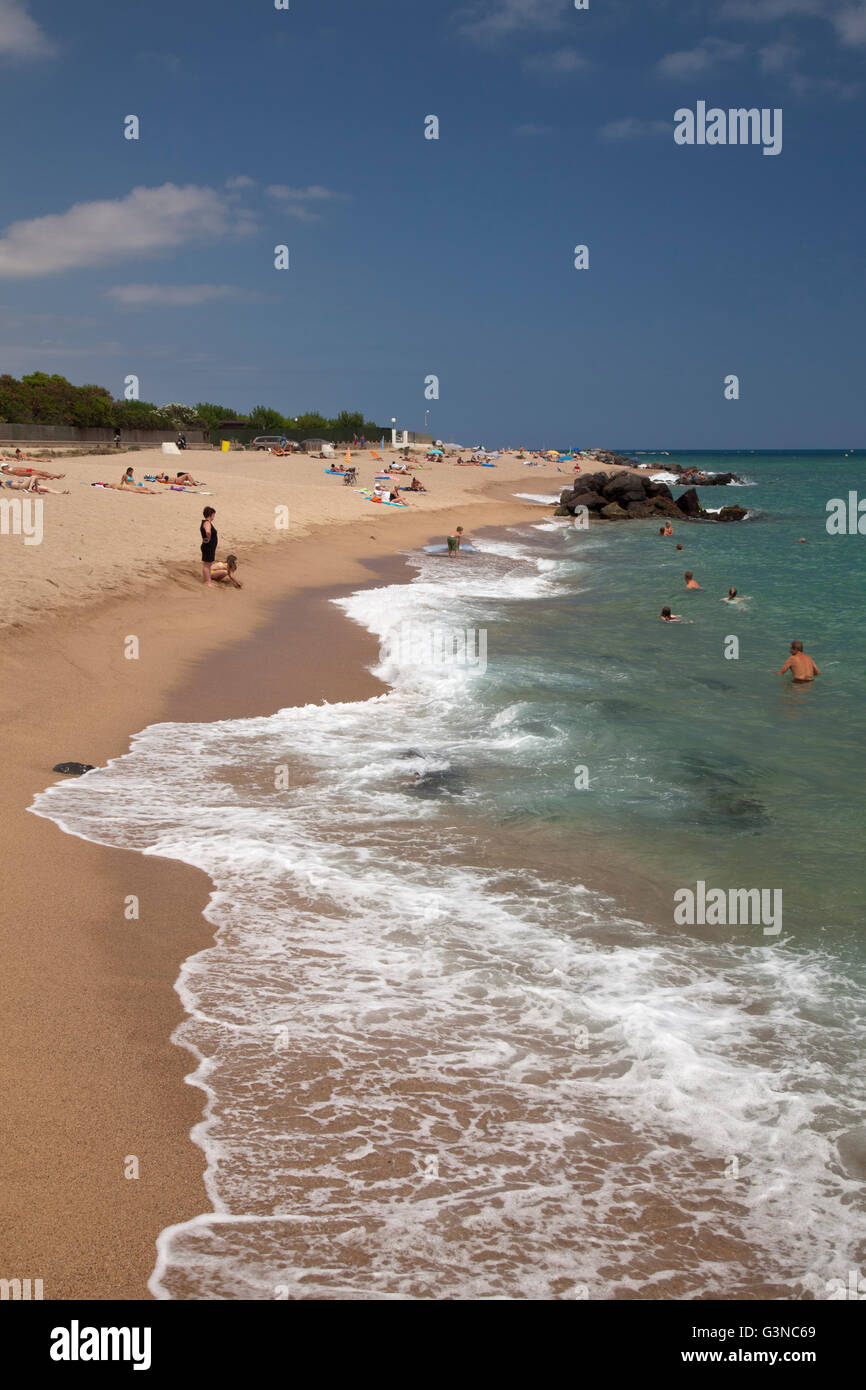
(454, 543)
(691, 582)
(801, 666)
(209, 542)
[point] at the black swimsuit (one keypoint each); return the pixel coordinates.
(208, 547)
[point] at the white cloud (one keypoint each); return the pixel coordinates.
(848, 19)
(20, 35)
(145, 222)
(705, 55)
(488, 20)
(241, 181)
(805, 86)
(851, 25)
(533, 128)
(631, 128)
(170, 296)
(556, 63)
(296, 201)
(778, 55)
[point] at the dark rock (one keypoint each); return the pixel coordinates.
(612, 511)
(641, 509)
(565, 496)
(732, 514)
(688, 504)
(593, 501)
(73, 769)
(623, 482)
(666, 506)
(590, 482)
(658, 490)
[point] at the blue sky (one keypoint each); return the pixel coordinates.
(454, 257)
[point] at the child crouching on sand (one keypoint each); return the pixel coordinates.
(225, 570)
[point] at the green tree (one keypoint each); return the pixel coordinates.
(266, 420)
(213, 414)
(181, 417)
(313, 426)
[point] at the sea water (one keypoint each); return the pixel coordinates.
(452, 1041)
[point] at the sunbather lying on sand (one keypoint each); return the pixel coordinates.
(32, 485)
(184, 479)
(128, 487)
(18, 457)
(18, 471)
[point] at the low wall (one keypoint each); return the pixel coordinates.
(74, 434)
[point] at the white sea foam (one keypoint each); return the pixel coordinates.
(431, 1075)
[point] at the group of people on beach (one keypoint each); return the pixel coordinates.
(803, 669)
(24, 478)
(224, 571)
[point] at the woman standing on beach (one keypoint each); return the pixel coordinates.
(209, 542)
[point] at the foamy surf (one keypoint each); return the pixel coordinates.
(434, 1072)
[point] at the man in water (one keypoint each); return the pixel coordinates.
(801, 666)
(691, 582)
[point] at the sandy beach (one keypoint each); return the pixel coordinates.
(98, 542)
(93, 1087)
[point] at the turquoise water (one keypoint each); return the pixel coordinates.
(715, 767)
(455, 1042)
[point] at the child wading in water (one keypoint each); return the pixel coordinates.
(454, 543)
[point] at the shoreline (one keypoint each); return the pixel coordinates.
(93, 1084)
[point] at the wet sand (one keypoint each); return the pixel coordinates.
(92, 1087)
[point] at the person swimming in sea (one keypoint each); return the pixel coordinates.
(801, 666)
(691, 582)
(734, 597)
(668, 617)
